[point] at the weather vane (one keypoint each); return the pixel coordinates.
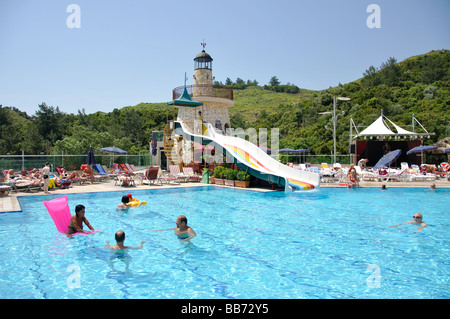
(203, 44)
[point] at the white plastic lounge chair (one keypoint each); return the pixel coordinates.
(175, 172)
(4, 189)
(167, 178)
(189, 171)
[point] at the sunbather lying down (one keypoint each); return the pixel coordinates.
(22, 178)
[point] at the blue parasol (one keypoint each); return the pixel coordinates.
(388, 159)
(113, 149)
(90, 157)
(286, 150)
(422, 148)
(266, 149)
(447, 150)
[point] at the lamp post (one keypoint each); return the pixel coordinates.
(340, 98)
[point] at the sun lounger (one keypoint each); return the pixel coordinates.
(101, 172)
(189, 171)
(175, 172)
(167, 178)
(4, 189)
(124, 180)
(80, 180)
(126, 169)
(316, 170)
(152, 175)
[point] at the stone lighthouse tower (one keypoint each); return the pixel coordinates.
(215, 100)
(197, 104)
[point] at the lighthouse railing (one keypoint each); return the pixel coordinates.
(217, 91)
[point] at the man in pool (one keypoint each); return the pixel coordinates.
(182, 231)
(417, 220)
(119, 246)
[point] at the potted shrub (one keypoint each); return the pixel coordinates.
(218, 175)
(243, 179)
(230, 176)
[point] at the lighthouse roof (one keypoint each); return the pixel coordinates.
(203, 56)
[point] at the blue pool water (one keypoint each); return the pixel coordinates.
(330, 243)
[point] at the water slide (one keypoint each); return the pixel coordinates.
(252, 159)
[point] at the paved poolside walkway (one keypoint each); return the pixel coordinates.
(10, 203)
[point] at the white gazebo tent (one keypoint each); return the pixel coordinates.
(380, 130)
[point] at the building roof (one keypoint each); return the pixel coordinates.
(380, 128)
(185, 100)
(203, 56)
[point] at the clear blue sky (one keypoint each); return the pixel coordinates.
(127, 52)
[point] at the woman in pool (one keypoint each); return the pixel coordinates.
(77, 220)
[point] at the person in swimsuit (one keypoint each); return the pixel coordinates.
(77, 220)
(182, 231)
(417, 220)
(123, 205)
(352, 177)
(46, 176)
(119, 246)
(88, 172)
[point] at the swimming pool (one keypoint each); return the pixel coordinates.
(330, 243)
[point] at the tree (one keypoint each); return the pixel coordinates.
(390, 72)
(274, 81)
(371, 77)
(49, 122)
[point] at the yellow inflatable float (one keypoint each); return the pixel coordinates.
(135, 202)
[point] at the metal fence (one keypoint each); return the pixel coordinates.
(315, 159)
(70, 162)
(74, 162)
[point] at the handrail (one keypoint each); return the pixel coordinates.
(216, 91)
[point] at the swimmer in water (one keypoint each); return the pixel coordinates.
(417, 220)
(123, 205)
(182, 231)
(76, 221)
(119, 246)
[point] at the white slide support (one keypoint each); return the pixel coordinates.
(252, 159)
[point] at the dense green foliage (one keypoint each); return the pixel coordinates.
(418, 85)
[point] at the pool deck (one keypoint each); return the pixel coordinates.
(10, 203)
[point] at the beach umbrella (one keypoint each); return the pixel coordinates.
(447, 150)
(302, 150)
(90, 157)
(113, 149)
(388, 159)
(265, 149)
(419, 149)
(286, 150)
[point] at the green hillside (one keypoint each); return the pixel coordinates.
(418, 85)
